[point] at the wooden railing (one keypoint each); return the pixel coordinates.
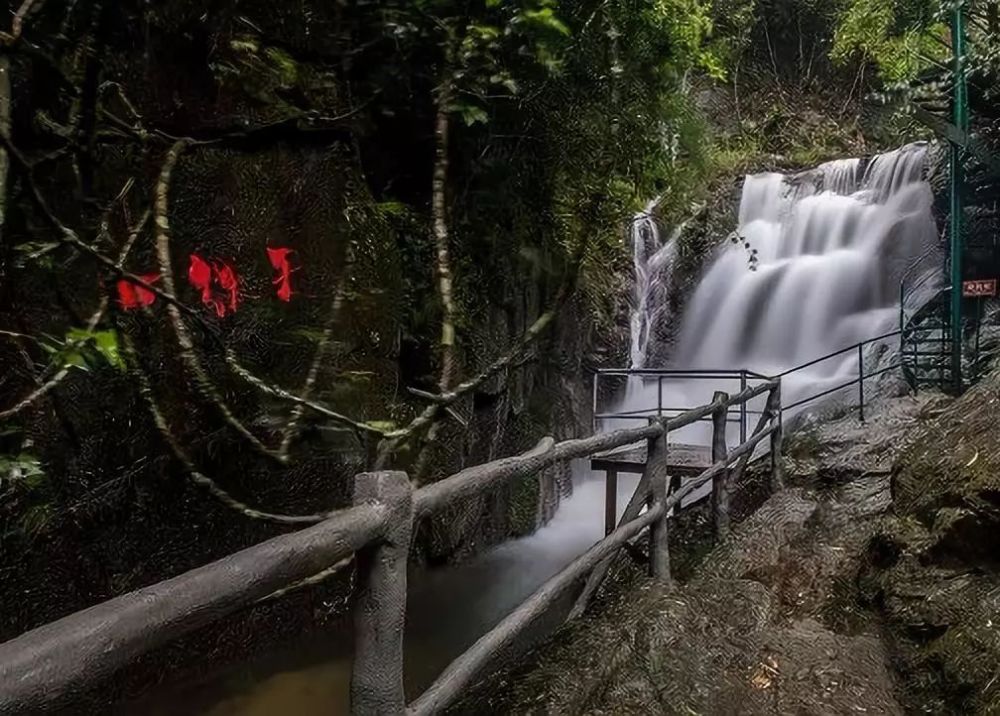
(47, 666)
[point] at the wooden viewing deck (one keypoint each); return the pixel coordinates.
(683, 461)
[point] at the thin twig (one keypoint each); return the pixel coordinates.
(339, 297)
(309, 581)
(196, 476)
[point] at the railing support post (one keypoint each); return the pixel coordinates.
(861, 382)
(610, 501)
(659, 531)
(743, 408)
(377, 679)
(774, 410)
(720, 485)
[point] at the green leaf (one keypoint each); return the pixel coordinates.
(472, 113)
(24, 469)
(107, 346)
(384, 425)
(36, 519)
(546, 19)
(81, 343)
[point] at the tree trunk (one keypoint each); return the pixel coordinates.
(5, 100)
(439, 187)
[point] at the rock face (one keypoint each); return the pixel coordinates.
(935, 565)
(770, 624)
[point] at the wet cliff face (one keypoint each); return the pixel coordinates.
(294, 145)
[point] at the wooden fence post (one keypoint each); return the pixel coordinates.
(610, 501)
(380, 612)
(774, 408)
(720, 485)
(659, 531)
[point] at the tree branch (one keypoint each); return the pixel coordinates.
(92, 322)
(278, 392)
(439, 187)
(196, 476)
(69, 237)
(440, 401)
(17, 24)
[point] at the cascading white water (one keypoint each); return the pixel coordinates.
(651, 264)
(831, 246)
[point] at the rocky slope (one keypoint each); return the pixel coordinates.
(935, 564)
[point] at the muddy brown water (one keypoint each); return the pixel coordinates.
(448, 610)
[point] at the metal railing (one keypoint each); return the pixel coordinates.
(745, 377)
(49, 665)
(859, 348)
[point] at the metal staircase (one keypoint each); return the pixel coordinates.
(926, 338)
(925, 342)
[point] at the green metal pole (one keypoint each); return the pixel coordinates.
(960, 113)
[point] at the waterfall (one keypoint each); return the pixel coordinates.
(652, 263)
(831, 245)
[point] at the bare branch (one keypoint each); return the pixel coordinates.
(17, 24)
(278, 392)
(92, 322)
(309, 581)
(67, 236)
(439, 188)
(439, 402)
(339, 298)
(196, 476)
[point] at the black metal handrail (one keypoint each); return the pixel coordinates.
(660, 374)
(744, 375)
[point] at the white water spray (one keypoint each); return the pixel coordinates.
(832, 244)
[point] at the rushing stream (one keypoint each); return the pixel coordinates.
(831, 245)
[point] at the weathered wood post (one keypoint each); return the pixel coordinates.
(659, 531)
(720, 485)
(774, 410)
(610, 501)
(380, 613)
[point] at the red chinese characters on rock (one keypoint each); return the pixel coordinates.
(278, 256)
(217, 282)
(132, 296)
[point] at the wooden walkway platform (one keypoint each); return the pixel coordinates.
(682, 461)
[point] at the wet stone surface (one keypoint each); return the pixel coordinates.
(770, 624)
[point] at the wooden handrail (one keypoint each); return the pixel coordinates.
(42, 667)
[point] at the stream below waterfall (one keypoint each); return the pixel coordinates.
(816, 267)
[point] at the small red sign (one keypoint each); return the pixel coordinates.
(982, 287)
